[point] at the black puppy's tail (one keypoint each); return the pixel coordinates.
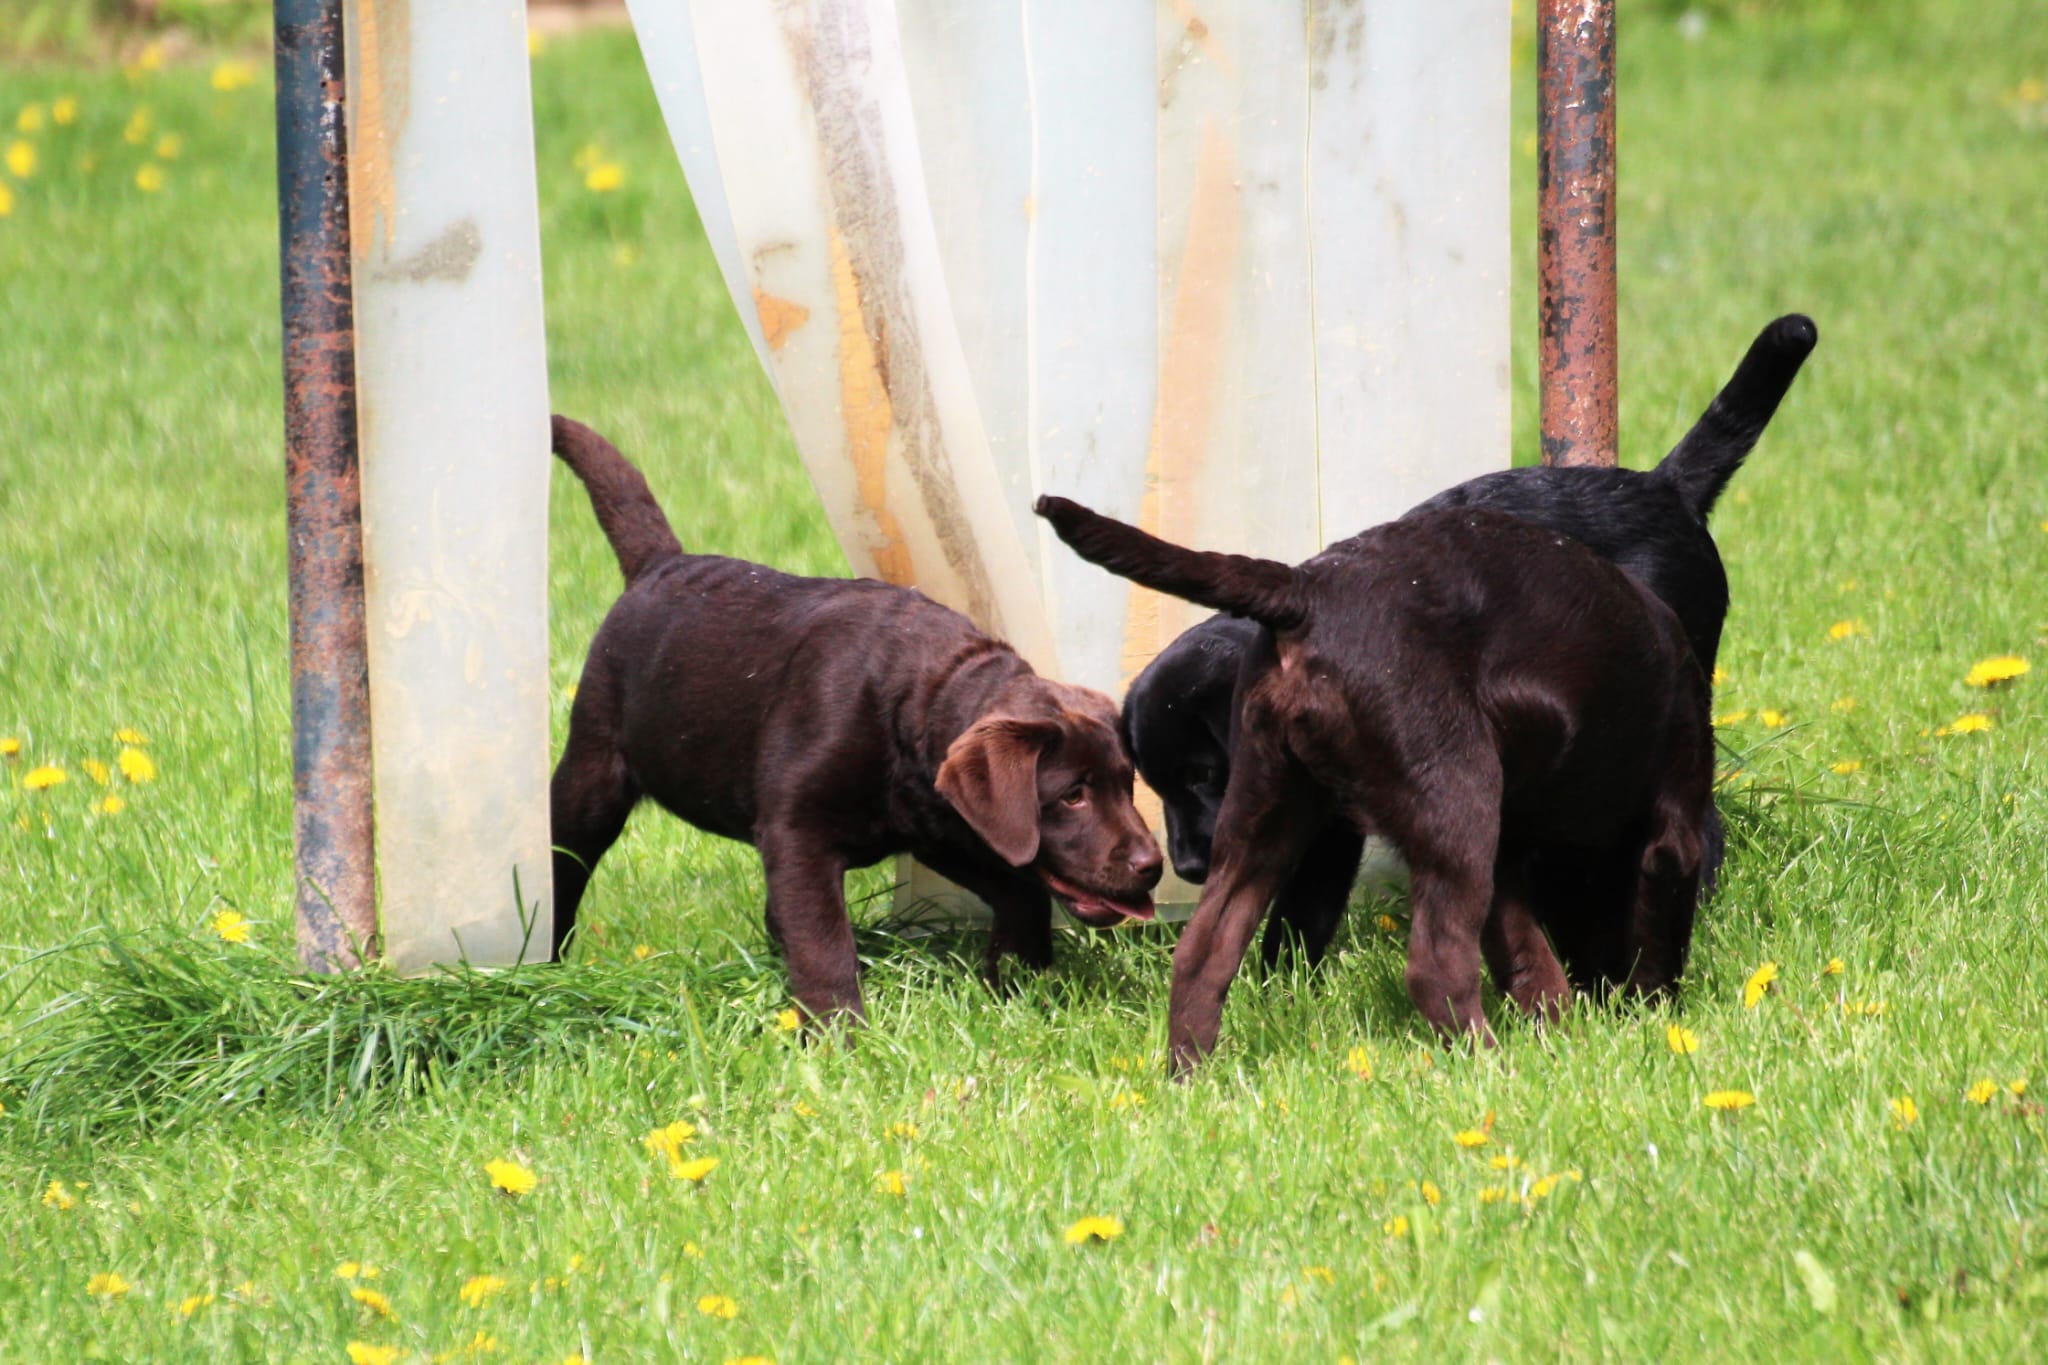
(1263, 589)
(1703, 462)
(632, 520)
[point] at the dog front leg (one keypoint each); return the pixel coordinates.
(1517, 953)
(807, 916)
(1312, 903)
(1667, 883)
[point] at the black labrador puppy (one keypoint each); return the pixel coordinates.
(832, 723)
(1481, 691)
(1178, 712)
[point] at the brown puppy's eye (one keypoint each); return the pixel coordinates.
(1074, 795)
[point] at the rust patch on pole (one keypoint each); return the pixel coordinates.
(1575, 229)
(331, 811)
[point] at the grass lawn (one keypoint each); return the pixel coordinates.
(906, 1199)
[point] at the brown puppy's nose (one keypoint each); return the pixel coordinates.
(1146, 862)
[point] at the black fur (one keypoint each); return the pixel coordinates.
(1178, 713)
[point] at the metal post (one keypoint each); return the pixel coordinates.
(1575, 229)
(331, 820)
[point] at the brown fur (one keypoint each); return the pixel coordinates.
(1478, 690)
(833, 723)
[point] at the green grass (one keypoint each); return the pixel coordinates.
(1876, 169)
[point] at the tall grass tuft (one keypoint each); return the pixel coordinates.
(148, 1030)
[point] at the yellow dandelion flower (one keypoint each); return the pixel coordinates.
(1387, 924)
(804, 1109)
(6, 200)
(135, 765)
(1835, 967)
(511, 1177)
(57, 1197)
(892, 1182)
(1759, 982)
(1470, 1137)
(2002, 668)
(1728, 1100)
(1982, 1091)
(1864, 1009)
(192, 1303)
(478, 1290)
(1431, 1195)
(169, 146)
(1545, 1187)
(750, 1360)
(693, 1251)
(1504, 1161)
(1322, 1274)
(641, 952)
(30, 119)
(1846, 767)
(1681, 1040)
(43, 778)
(231, 927)
(363, 1353)
(150, 59)
(21, 158)
(1842, 706)
(604, 177)
(669, 1139)
(1493, 1194)
(9, 746)
(1397, 1226)
(150, 178)
(2018, 1087)
(694, 1171)
(137, 131)
(351, 1270)
(1967, 724)
(1904, 1111)
(1731, 718)
(718, 1306)
(1842, 630)
(1719, 676)
(1095, 1228)
(96, 770)
(788, 1021)
(904, 1130)
(125, 735)
(371, 1299)
(107, 1285)
(231, 76)
(111, 804)
(1772, 720)
(64, 110)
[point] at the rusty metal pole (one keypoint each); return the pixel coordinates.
(331, 819)
(1575, 229)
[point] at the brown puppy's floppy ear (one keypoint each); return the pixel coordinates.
(991, 777)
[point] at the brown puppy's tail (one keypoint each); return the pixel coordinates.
(1263, 589)
(631, 518)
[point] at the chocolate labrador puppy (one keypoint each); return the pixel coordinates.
(1652, 523)
(1478, 690)
(832, 723)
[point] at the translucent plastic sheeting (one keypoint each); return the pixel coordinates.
(453, 414)
(1236, 271)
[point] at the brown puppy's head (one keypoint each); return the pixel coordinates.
(1045, 781)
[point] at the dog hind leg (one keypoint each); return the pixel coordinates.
(589, 799)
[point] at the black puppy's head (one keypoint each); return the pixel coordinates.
(1176, 723)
